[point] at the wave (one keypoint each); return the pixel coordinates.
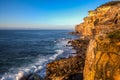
(40, 63)
(59, 52)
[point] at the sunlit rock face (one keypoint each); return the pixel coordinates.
(103, 55)
(103, 52)
(107, 14)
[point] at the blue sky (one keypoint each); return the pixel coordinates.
(44, 14)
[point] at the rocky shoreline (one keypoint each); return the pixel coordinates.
(97, 49)
(70, 68)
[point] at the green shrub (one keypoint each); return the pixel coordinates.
(114, 35)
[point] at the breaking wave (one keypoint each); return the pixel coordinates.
(40, 63)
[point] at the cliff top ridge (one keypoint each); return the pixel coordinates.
(112, 3)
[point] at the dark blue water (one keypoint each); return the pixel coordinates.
(30, 50)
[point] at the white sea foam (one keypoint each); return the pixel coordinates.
(58, 52)
(39, 64)
(19, 75)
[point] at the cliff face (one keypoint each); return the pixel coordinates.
(98, 49)
(103, 53)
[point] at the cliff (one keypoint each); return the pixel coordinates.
(103, 55)
(98, 48)
(102, 25)
(103, 18)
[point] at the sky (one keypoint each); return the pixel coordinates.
(44, 14)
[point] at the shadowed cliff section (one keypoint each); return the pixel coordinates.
(98, 48)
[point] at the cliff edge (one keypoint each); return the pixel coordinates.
(98, 48)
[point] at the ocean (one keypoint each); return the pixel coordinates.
(29, 51)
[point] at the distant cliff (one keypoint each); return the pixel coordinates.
(98, 49)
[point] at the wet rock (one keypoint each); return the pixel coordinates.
(28, 76)
(77, 76)
(34, 77)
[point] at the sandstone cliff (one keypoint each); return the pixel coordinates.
(103, 53)
(98, 49)
(103, 18)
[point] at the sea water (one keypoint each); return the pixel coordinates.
(28, 51)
